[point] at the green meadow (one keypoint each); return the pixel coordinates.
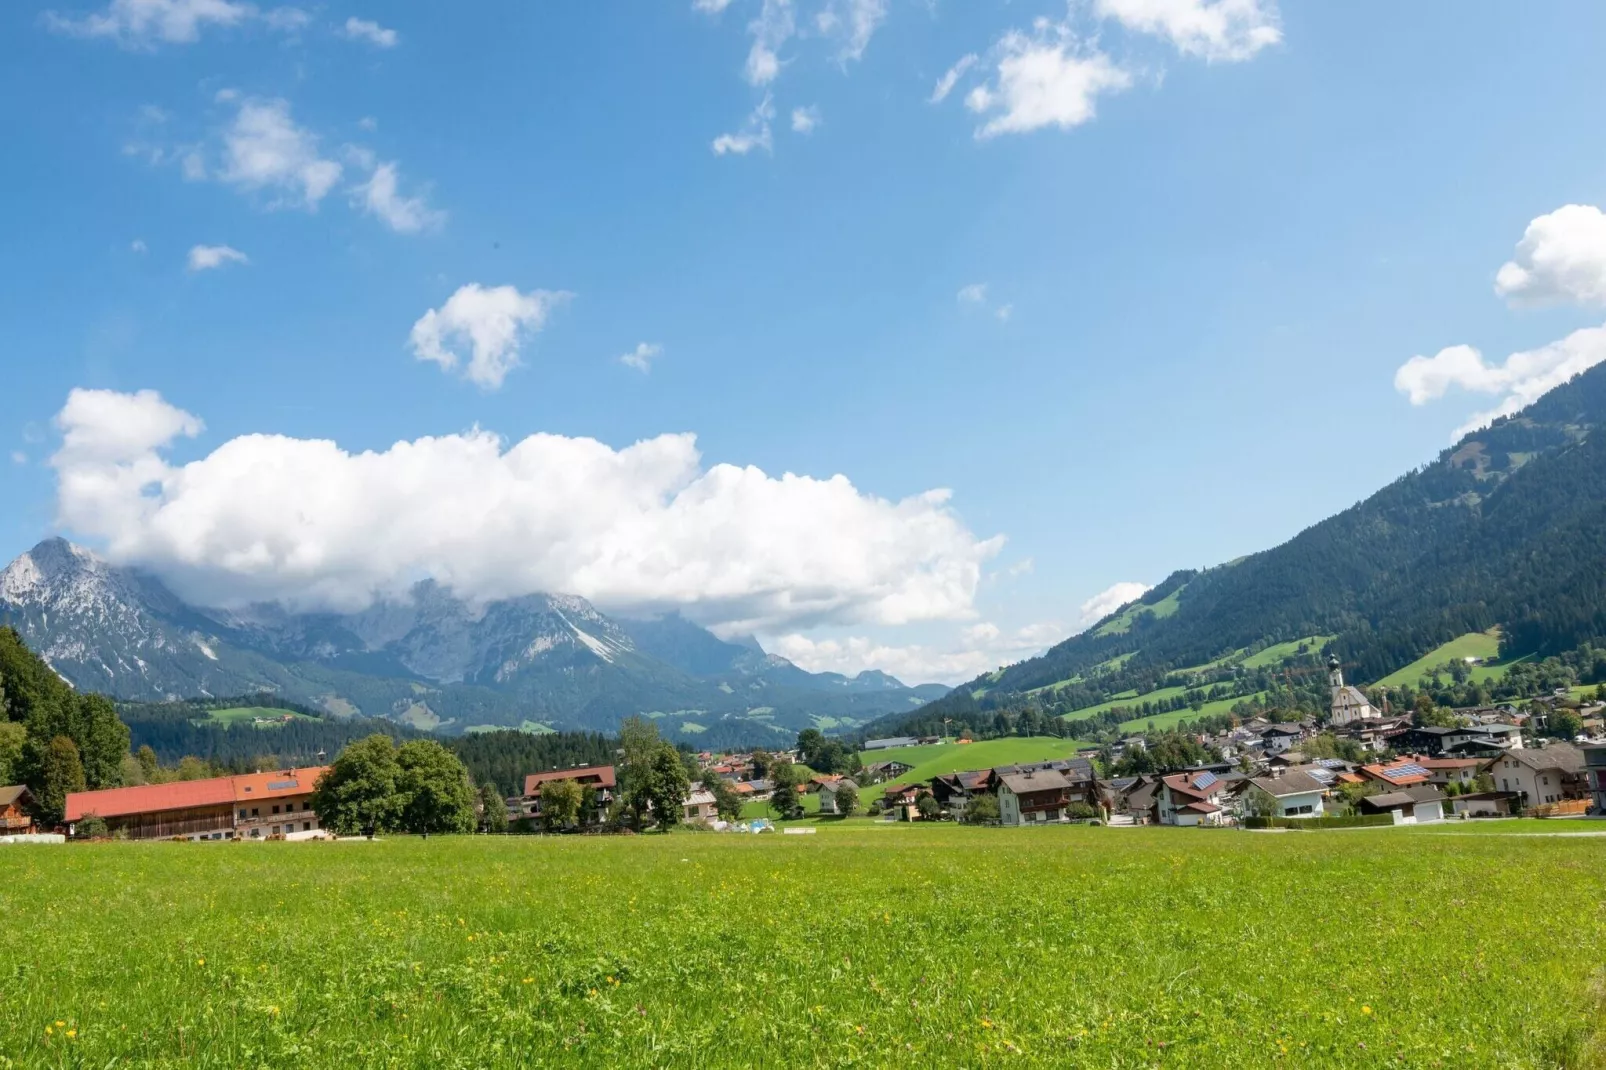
(862, 945)
(1479, 645)
(246, 714)
(950, 757)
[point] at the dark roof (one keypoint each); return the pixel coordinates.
(12, 792)
(1282, 730)
(1293, 782)
(1395, 800)
(1563, 756)
(1041, 780)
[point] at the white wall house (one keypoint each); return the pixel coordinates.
(1541, 774)
(1289, 794)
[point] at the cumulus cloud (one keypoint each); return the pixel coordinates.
(946, 83)
(1111, 599)
(710, 7)
(805, 120)
(146, 23)
(977, 649)
(1226, 30)
(1561, 258)
(380, 197)
(138, 246)
(754, 134)
(18, 457)
(1046, 79)
(207, 257)
(646, 528)
(973, 294)
(642, 356)
(493, 321)
(367, 30)
(1522, 377)
(264, 149)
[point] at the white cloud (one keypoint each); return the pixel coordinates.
(368, 123)
(264, 149)
(1523, 377)
(1111, 599)
(946, 83)
(710, 7)
(977, 649)
(379, 197)
(642, 356)
(1229, 30)
(855, 21)
(146, 23)
(494, 321)
(138, 246)
(367, 30)
(1042, 81)
(1023, 567)
(207, 257)
(644, 528)
(774, 26)
(18, 457)
(754, 134)
(973, 294)
(1004, 312)
(1562, 257)
(805, 120)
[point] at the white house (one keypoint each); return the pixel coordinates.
(1290, 793)
(1281, 737)
(699, 806)
(828, 798)
(1032, 796)
(1189, 799)
(1541, 775)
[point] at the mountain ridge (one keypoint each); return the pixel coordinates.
(431, 659)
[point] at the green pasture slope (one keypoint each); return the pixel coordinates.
(1471, 645)
(245, 714)
(863, 945)
(936, 759)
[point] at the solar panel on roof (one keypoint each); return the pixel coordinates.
(1205, 780)
(1330, 763)
(279, 785)
(1408, 769)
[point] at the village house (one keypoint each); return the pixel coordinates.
(828, 794)
(1278, 738)
(1484, 804)
(251, 807)
(954, 792)
(1282, 793)
(1136, 799)
(1446, 771)
(1541, 776)
(1374, 735)
(888, 744)
(1032, 797)
(699, 806)
(1189, 799)
(599, 778)
(15, 803)
(876, 772)
(1595, 770)
(1400, 773)
(1414, 805)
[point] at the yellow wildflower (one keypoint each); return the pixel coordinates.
(71, 1033)
(1365, 1009)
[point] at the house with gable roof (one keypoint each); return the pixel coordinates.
(1189, 799)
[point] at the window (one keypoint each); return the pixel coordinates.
(275, 830)
(275, 809)
(242, 814)
(306, 826)
(254, 811)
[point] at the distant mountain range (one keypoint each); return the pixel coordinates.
(1507, 529)
(431, 660)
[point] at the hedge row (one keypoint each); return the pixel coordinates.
(1363, 821)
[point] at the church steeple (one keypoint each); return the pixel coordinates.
(1335, 674)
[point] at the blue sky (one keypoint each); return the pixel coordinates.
(1141, 290)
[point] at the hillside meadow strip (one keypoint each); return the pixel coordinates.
(861, 945)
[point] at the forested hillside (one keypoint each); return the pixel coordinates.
(1506, 528)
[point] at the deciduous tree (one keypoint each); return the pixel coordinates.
(436, 791)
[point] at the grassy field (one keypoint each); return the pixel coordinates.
(860, 946)
(1275, 655)
(1470, 645)
(951, 757)
(245, 714)
(1175, 717)
(1122, 624)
